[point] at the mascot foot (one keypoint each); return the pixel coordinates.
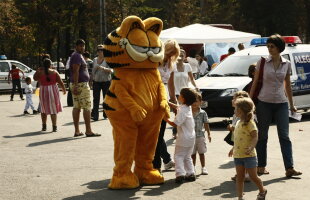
(149, 177)
(126, 181)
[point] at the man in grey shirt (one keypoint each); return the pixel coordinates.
(101, 74)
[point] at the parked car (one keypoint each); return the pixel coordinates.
(61, 67)
(231, 75)
(5, 67)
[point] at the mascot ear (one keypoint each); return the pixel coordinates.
(128, 24)
(153, 24)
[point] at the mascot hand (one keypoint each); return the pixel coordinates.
(165, 107)
(138, 115)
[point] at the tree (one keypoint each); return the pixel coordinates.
(16, 38)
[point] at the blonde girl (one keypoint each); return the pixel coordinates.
(172, 52)
(235, 119)
(245, 139)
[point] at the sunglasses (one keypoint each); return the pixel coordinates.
(270, 46)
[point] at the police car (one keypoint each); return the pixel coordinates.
(5, 67)
(231, 75)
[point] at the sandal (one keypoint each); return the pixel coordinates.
(292, 172)
(261, 196)
(92, 135)
(78, 134)
(262, 171)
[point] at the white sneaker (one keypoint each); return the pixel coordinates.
(204, 171)
(169, 165)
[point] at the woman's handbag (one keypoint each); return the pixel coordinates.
(260, 80)
(228, 139)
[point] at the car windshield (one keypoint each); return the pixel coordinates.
(234, 66)
(22, 67)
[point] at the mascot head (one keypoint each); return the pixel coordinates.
(135, 44)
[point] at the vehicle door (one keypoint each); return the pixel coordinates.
(4, 72)
(301, 84)
(27, 71)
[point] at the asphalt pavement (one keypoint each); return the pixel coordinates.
(37, 165)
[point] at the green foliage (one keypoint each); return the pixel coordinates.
(28, 28)
(15, 38)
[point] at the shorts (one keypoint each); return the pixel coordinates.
(82, 100)
(200, 146)
(248, 162)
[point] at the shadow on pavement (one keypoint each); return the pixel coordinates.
(71, 123)
(5, 101)
(227, 189)
(54, 141)
(228, 165)
(101, 191)
(160, 189)
(26, 134)
(22, 115)
(275, 180)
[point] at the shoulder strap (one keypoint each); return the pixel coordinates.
(261, 68)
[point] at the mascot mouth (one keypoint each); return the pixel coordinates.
(140, 54)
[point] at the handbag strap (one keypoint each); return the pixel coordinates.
(261, 69)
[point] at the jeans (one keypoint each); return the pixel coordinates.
(161, 148)
(97, 88)
(265, 113)
(18, 84)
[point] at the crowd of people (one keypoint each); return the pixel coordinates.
(248, 134)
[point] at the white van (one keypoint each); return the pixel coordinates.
(231, 75)
(5, 67)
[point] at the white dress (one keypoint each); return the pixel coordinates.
(165, 73)
(181, 79)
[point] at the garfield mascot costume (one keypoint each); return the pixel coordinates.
(136, 101)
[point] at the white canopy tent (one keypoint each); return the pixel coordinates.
(202, 34)
(216, 41)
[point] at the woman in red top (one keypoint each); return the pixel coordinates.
(49, 93)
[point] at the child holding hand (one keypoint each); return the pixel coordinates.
(245, 139)
(201, 126)
(184, 122)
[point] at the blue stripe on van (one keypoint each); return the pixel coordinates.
(302, 63)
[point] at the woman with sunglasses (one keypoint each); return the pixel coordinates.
(274, 101)
(101, 74)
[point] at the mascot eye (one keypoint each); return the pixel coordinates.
(140, 49)
(155, 50)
